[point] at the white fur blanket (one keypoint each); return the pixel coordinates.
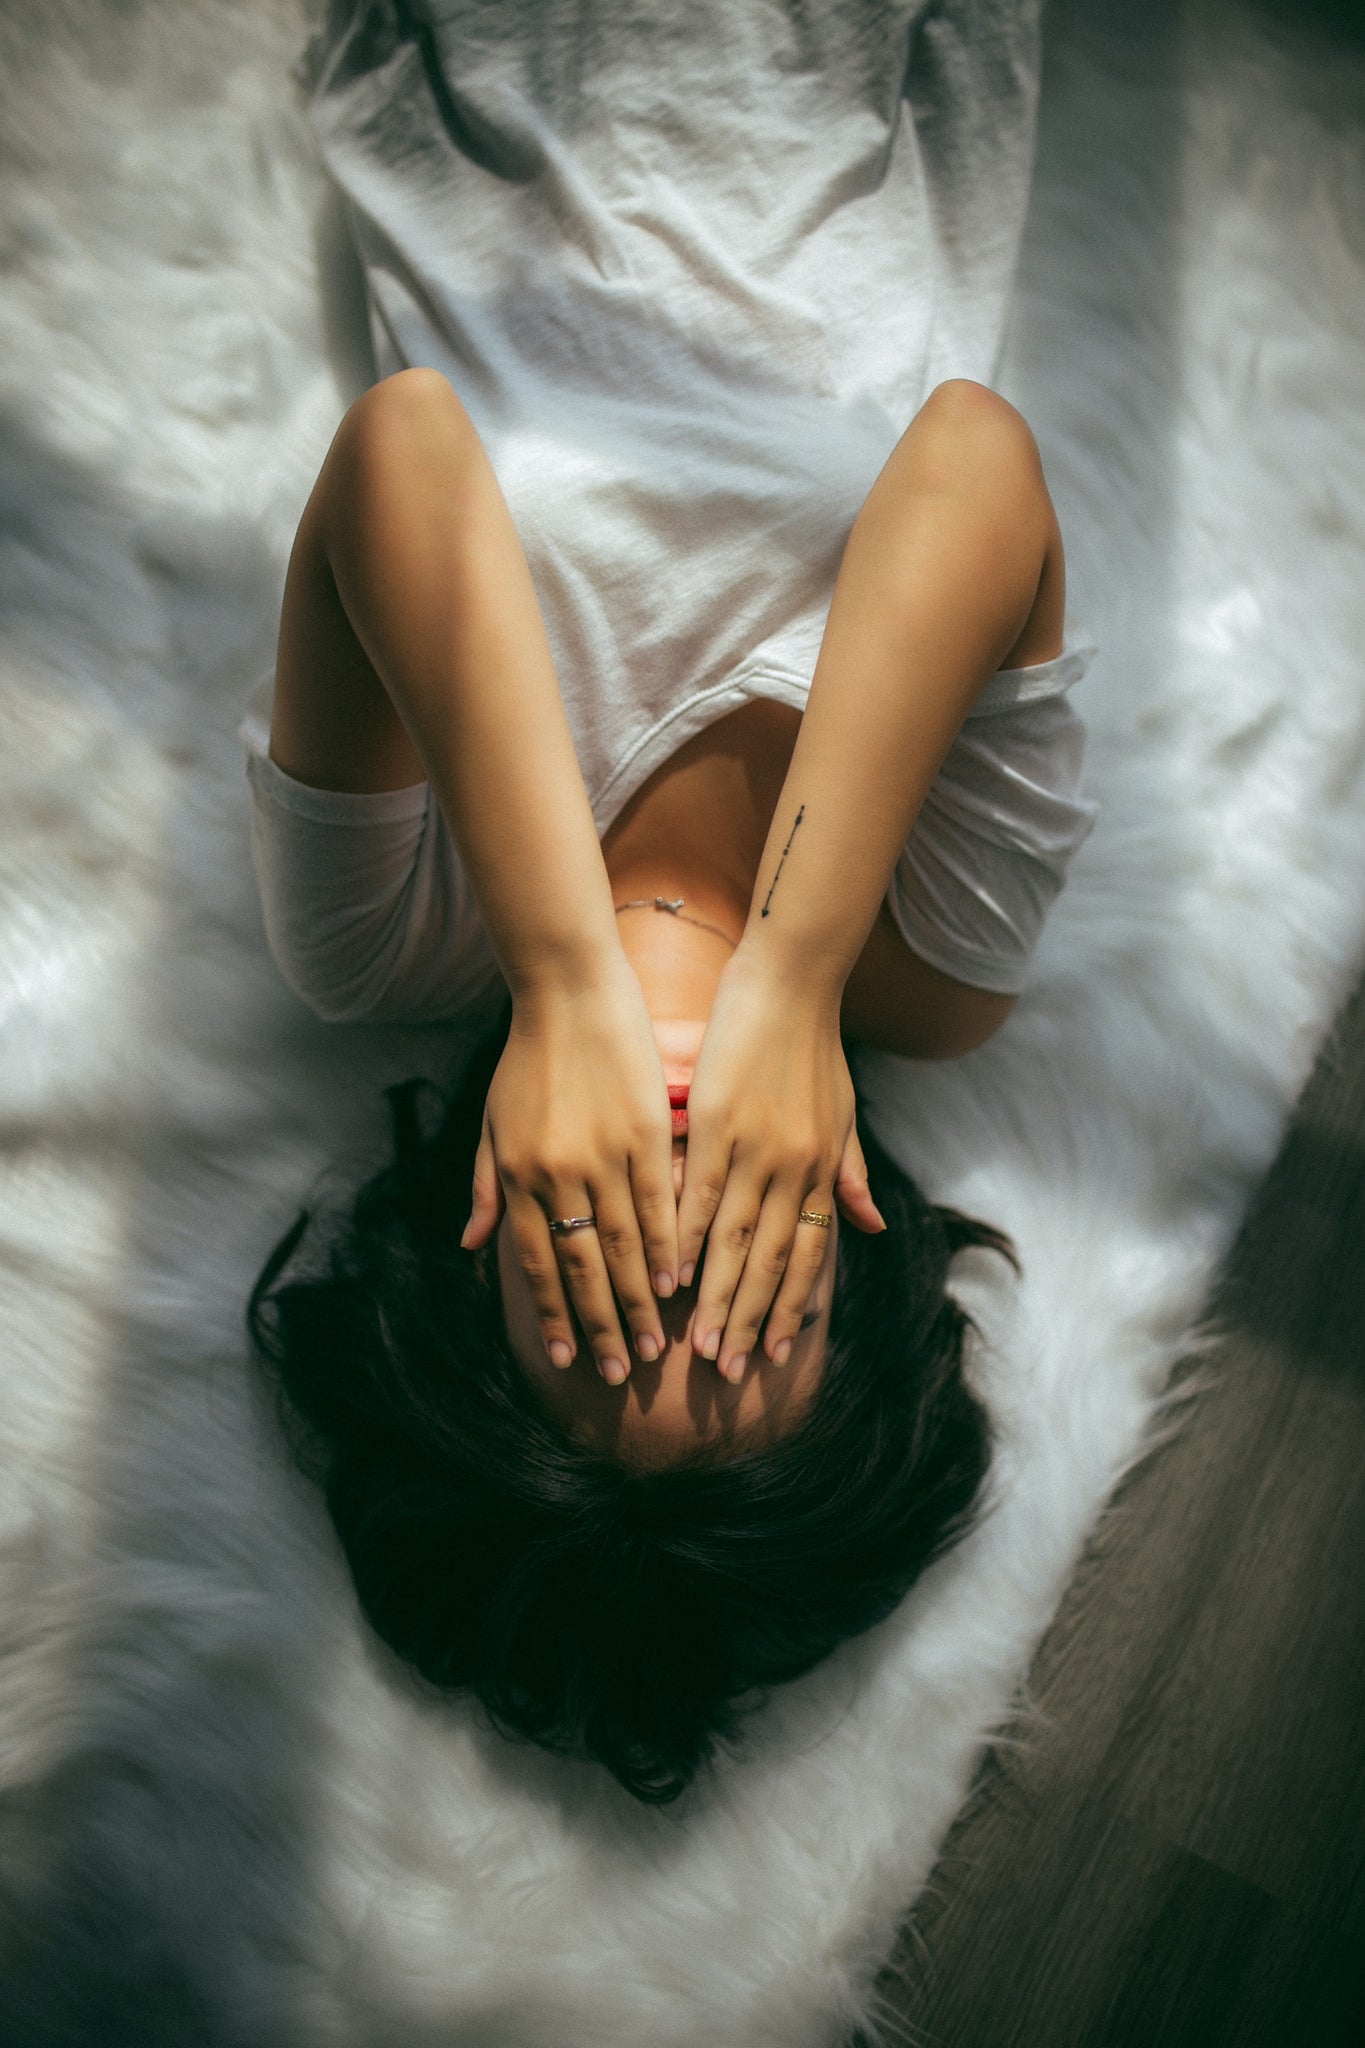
(223, 1817)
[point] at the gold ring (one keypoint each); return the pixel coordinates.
(820, 1217)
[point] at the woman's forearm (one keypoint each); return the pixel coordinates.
(937, 581)
(432, 574)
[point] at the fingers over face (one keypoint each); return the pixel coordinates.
(625, 1263)
(535, 1253)
(563, 1268)
(729, 1244)
(608, 1272)
(852, 1192)
(655, 1206)
(744, 1247)
(810, 1248)
(778, 1276)
(706, 1180)
(487, 1200)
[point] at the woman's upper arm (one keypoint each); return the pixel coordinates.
(898, 1003)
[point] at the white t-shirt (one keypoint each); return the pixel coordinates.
(692, 266)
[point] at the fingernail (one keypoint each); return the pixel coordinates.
(711, 1348)
(783, 1352)
(647, 1348)
(685, 1277)
(464, 1235)
(560, 1353)
(663, 1284)
(613, 1371)
(737, 1365)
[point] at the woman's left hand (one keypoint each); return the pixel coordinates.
(771, 1131)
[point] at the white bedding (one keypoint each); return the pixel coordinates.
(223, 1816)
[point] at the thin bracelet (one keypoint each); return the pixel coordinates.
(674, 906)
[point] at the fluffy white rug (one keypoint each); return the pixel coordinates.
(225, 1818)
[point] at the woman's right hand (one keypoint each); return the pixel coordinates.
(577, 1123)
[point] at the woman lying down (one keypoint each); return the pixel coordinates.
(633, 1382)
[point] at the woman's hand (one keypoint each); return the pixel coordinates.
(771, 1131)
(577, 1123)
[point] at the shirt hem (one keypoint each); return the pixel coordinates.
(684, 722)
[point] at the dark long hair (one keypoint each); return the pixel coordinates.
(629, 1615)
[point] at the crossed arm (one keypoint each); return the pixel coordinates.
(412, 645)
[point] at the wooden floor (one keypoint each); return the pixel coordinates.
(1178, 1860)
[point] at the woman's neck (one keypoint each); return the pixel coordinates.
(677, 961)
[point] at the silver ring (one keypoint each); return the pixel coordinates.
(561, 1225)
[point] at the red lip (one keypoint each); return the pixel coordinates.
(677, 1102)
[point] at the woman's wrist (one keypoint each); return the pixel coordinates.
(797, 976)
(573, 968)
(803, 936)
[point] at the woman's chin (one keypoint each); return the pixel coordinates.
(679, 1041)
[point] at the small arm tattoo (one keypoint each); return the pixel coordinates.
(782, 863)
